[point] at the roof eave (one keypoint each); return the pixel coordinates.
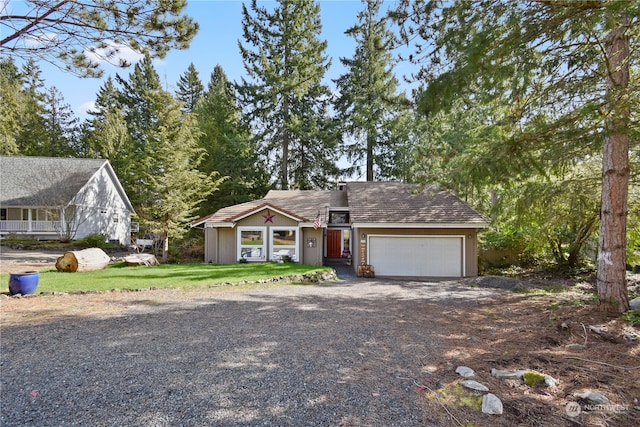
(429, 225)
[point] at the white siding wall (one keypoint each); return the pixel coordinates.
(102, 210)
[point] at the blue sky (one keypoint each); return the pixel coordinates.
(217, 43)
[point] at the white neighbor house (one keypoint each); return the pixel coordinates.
(51, 198)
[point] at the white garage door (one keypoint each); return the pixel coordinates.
(433, 256)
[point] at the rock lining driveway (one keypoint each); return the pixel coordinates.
(332, 354)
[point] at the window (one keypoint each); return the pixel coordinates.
(284, 242)
(339, 217)
(252, 245)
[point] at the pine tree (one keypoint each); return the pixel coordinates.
(190, 89)
(137, 97)
(176, 186)
(105, 134)
(562, 72)
(285, 62)
(11, 107)
(369, 105)
(230, 150)
(87, 33)
(32, 132)
(161, 173)
(61, 127)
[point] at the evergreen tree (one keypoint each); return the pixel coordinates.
(562, 72)
(162, 156)
(11, 107)
(32, 133)
(137, 97)
(97, 30)
(190, 89)
(105, 134)
(61, 127)
(312, 161)
(230, 149)
(285, 62)
(369, 105)
(175, 185)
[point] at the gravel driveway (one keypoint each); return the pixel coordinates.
(333, 354)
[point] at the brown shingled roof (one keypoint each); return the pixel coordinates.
(368, 202)
(396, 202)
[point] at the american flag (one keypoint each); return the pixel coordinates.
(316, 222)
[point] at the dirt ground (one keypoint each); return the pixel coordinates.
(531, 331)
(519, 330)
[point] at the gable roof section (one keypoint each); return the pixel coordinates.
(384, 203)
(49, 181)
(303, 205)
(262, 207)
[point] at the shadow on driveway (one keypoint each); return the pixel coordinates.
(330, 354)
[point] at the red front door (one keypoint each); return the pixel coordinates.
(334, 243)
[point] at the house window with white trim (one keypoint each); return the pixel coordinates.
(252, 243)
(284, 242)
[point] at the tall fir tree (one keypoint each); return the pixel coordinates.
(175, 185)
(369, 106)
(94, 139)
(137, 97)
(562, 70)
(190, 89)
(12, 106)
(61, 127)
(285, 62)
(32, 133)
(137, 101)
(230, 149)
(161, 172)
(105, 134)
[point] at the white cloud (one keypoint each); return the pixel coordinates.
(41, 39)
(113, 53)
(87, 107)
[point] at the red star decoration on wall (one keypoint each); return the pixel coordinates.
(268, 217)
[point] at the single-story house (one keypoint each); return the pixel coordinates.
(50, 198)
(399, 229)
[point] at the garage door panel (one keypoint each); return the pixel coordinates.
(431, 256)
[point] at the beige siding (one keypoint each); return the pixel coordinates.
(471, 242)
(227, 246)
(225, 251)
(312, 255)
(211, 245)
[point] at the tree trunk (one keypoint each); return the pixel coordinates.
(84, 260)
(165, 247)
(611, 277)
(141, 259)
(284, 171)
(370, 144)
(582, 235)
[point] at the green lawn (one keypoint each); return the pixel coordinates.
(120, 276)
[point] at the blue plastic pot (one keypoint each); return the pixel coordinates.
(23, 283)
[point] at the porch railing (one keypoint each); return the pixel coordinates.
(13, 226)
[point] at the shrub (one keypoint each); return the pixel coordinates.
(93, 241)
